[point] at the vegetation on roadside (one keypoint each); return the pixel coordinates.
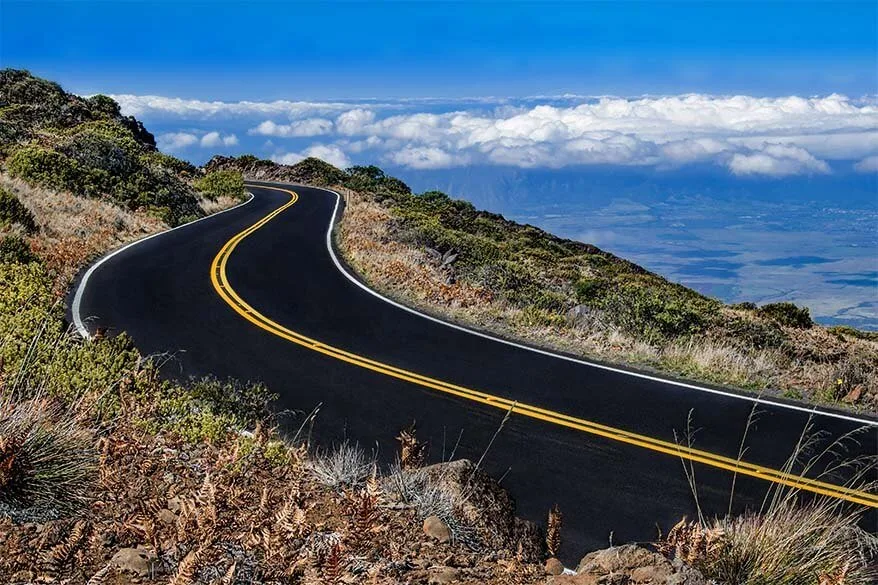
(446, 257)
(110, 473)
(219, 184)
(58, 140)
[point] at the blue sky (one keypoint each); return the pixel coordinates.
(714, 142)
(270, 50)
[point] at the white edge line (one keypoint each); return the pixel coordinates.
(80, 290)
(754, 399)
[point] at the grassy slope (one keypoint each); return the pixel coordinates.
(448, 258)
(98, 453)
(83, 424)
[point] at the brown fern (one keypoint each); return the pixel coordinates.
(187, 568)
(553, 531)
(412, 452)
(333, 565)
(100, 578)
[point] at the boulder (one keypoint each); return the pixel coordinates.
(436, 529)
(139, 561)
(629, 565)
(444, 575)
(487, 507)
(554, 566)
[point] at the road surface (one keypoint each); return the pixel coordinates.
(256, 293)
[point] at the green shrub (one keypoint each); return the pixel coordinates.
(54, 170)
(652, 314)
(207, 409)
(371, 179)
(787, 314)
(13, 211)
(47, 462)
(221, 184)
(117, 174)
(755, 334)
(104, 105)
(14, 250)
(847, 331)
(590, 290)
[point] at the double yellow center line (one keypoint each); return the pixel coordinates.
(221, 283)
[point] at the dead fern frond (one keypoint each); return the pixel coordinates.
(100, 578)
(363, 513)
(229, 577)
(333, 565)
(58, 555)
(412, 452)
(185, 574)
(553, 531)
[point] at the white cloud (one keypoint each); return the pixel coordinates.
(308, 127)
(867, 165)
(426, 158)
(742, 133)
(330, 153)
(155, 106)
(214, 139)
(289, 158)
(173, 141)
(777, 160)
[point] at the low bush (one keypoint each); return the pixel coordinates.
(792, 544)
(346, 465)
(14, 250)
(221, 184)
(846, 331)
(787, 314)
(47, 461)
(48, 168)
(12, 211)
(128, 181)
(648, 313)
(203, 410)
(371, 179)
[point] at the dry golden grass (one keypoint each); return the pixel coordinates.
(218, 204)
(73, 230)
(824, 366)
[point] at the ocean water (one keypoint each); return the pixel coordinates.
(809, 240)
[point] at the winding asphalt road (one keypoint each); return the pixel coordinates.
(264, 299)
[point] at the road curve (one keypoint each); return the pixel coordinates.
(184, 290)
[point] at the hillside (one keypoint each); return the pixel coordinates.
(448, 258)
(112, 474)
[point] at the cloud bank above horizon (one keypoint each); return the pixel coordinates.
(764, 136)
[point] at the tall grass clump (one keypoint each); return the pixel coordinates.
(795, 538)
(47, 460)
(346, 465)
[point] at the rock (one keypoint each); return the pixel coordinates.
(139, 561)
(629, 565)
(554, 566)
(578, 315)
(167, 517)
(488, 508)
(435, 528)
(444, 575)
(854, 395)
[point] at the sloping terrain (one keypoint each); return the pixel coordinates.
(110, 473)
(448, 258)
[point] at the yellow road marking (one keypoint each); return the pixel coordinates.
(221, 283)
